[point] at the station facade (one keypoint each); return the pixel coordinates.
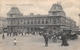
(56, 19)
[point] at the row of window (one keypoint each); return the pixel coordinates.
(28, 19)
(30, 22)
(54, 21)
(35, 22)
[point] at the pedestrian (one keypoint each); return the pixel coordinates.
(3, 37)
(15, 41)
(45, 35)
(64, 40)
(25, 33)
(22, 33)
(10, 34)
(7, 33)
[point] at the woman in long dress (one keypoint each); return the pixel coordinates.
(64, 40)
(15, 41)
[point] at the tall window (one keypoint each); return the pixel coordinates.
(42, 22)
(57, 20)
(38, 22)
(27, 28)
(31, 22)
(50, 20)
(28, 22)
(24, 23)
(54, 21)
(24, 19)
(21, 20)
(14, 21)
(46, 22)
(18, 21)
(35, 22)
(11, 22)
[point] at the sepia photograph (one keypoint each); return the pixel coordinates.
(39, 24)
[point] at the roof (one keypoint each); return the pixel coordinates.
(56, 7)
(36, 15)
(30, 16)
(14, 10)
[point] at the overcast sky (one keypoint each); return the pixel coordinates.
(71, 7)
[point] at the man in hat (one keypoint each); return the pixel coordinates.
(45, 35)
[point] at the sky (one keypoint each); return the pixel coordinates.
(71, 7)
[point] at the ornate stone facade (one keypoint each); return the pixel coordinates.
(55, 20)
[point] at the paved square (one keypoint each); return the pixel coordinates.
(35, 42)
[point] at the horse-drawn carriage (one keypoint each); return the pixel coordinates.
(74, 35)
(56, 35)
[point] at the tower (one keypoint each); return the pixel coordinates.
(14, 12)
(56, 10)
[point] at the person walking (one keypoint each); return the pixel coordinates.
(64, 40)
(10, 34)
(15, 41)
(22, 34)
(7, 33)
(3, 37)
(45, 35)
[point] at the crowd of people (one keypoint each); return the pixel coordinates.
(46, 35)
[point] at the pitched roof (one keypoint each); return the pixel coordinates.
(56, 7)
(14, 10)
